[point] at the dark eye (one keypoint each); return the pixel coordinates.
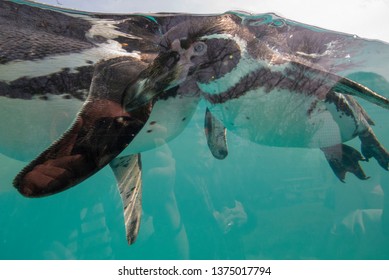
(199, 47)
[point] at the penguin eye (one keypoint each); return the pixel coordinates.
(199, 48)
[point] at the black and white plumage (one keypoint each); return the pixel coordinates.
(138, 78)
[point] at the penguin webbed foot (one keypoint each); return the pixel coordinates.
(98, 135)
(343, 159)
(372, 148)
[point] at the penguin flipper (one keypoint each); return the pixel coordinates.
(350, 87)
(343, 159)
(101, 131)
(216, 136)
(339, 84)
(127, 170)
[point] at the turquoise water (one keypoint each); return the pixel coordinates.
(259, 203)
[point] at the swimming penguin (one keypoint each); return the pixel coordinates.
(274, 97)
(145, 75)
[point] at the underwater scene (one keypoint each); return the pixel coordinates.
(182, 136)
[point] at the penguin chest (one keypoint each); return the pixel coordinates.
(167, 120)
(286, 119)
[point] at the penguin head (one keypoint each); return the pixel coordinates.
(199, 49)
(203, 49)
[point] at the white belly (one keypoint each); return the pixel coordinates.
(167, 120)
(285, 119)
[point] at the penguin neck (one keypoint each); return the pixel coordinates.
(248, 64)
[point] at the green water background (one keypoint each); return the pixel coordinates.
(259, 203)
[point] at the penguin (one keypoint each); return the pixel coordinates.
(269, 95)
(139, 78)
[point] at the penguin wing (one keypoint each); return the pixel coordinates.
(127, 170)
(327, 81)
